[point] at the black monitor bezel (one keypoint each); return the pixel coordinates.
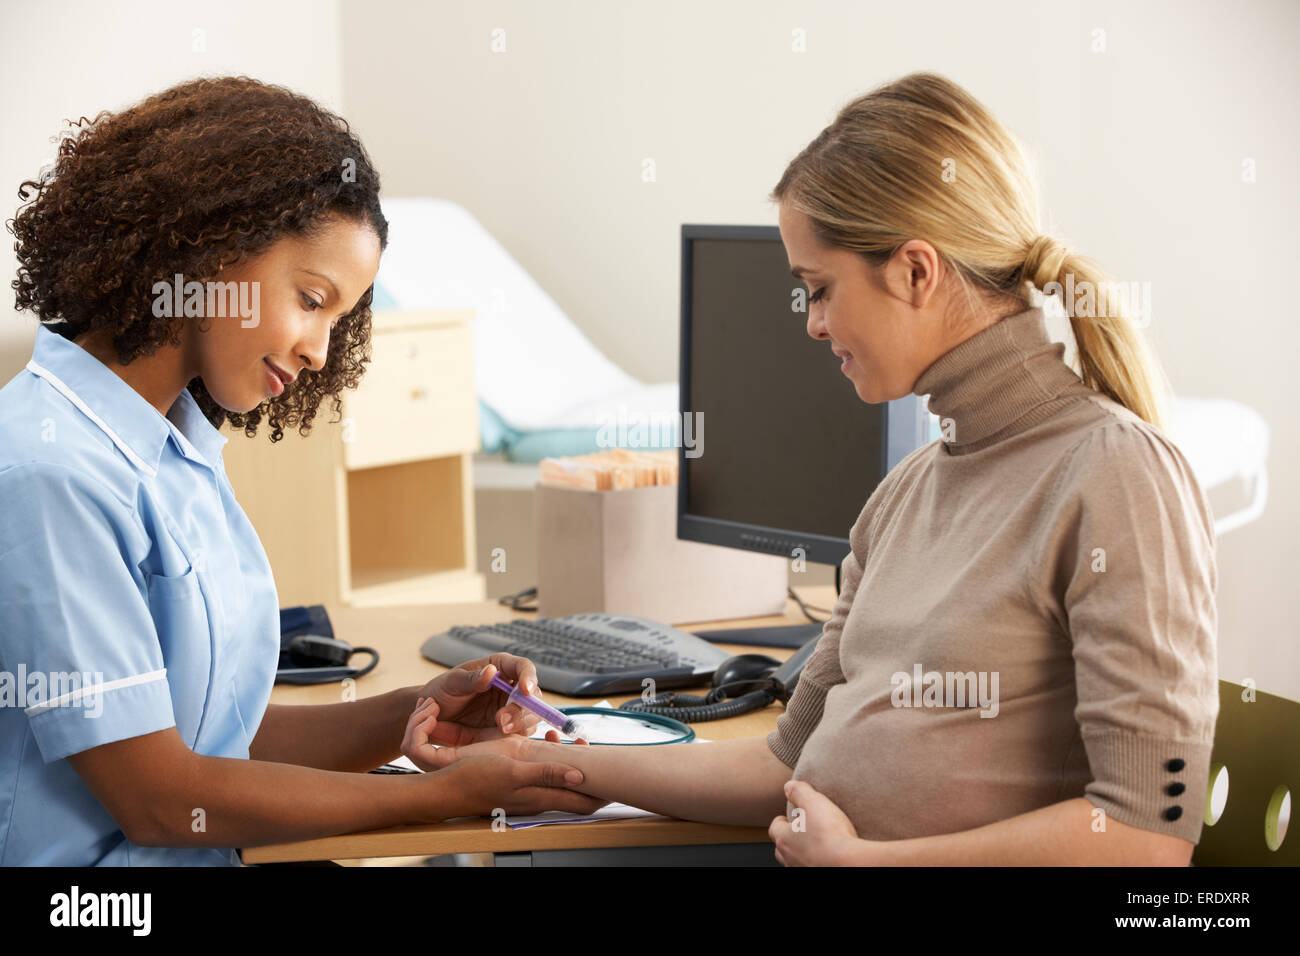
(903, 431)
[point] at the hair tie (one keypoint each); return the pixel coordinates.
(1043, 261)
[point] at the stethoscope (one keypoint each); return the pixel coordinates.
(672, 731)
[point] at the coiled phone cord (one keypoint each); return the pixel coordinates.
(691, 708)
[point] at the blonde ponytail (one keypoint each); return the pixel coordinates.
(1111, 354)
(922, 158)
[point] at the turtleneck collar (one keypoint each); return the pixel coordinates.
(1007, 374)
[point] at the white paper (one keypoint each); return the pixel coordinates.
(611, 811)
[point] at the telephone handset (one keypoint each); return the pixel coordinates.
(741, 684)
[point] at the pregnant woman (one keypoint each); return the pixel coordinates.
(1053, 546)
(204, 257)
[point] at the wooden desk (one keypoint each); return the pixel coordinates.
(397, 633)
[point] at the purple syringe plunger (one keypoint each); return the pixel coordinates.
(561, 722)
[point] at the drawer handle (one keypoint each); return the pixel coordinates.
(412, 350)
(419, 394)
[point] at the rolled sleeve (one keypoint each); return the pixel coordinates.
(822, 670)
(77, 639)
(797, 722)
(1136, 567)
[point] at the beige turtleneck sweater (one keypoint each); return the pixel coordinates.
(1051, 558)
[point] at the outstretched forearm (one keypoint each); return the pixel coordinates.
(356, 736)
(1061, 834)
(737, 782)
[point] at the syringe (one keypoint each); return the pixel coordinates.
(561, 722)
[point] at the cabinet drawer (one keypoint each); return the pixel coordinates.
(417, 398)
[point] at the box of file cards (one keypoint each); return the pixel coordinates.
(607, 542)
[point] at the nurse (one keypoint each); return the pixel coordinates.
(139, 625)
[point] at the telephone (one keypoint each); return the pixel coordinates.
(741, 684)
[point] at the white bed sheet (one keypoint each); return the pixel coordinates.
(532, 365)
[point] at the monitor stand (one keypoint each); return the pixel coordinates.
(780, 635)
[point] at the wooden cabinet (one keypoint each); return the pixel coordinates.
(377, 508)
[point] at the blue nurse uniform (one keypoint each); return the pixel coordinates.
(134, 596)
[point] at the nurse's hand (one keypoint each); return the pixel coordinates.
(817, 832)
(470, 709)
(483, 785)
(422, 734)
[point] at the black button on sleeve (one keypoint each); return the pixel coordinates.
(1173, 813)
(1175, 765)
(1174, 789)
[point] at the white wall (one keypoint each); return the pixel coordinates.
(1139, 150)
(64, 59)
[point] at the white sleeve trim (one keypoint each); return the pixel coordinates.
(81, 692)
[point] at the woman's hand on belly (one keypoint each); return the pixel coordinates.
(816, 832)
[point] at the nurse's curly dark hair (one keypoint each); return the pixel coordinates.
(188, 181)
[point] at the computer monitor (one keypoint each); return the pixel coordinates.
(788, 453)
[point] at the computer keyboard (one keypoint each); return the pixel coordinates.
(586, 654)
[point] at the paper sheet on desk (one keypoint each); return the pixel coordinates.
(611, 811)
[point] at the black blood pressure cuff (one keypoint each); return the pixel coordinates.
(302, 620)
